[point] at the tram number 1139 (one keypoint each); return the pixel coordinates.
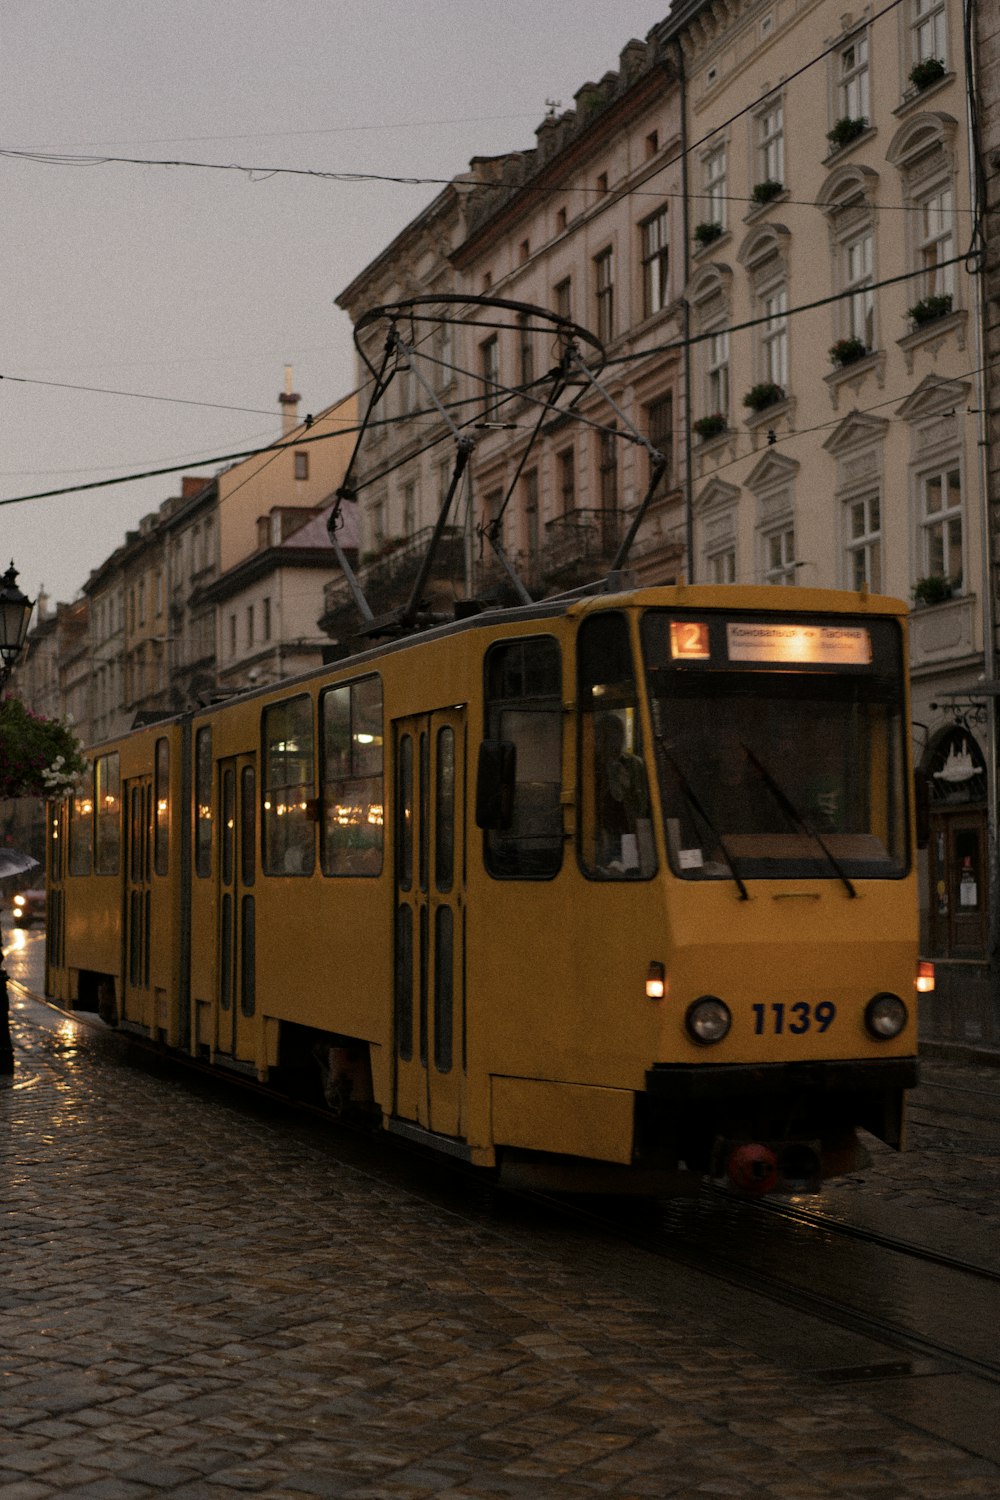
(777, 1018)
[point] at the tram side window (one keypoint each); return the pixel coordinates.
(524, 709)
(352, 759)
(107, 800)
(289, 788)
(81, 825)
(615, 826)
(161, 835)
(203, 802)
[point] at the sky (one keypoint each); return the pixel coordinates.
(147, 313)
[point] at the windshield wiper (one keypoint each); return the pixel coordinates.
(695, 803)
(791, 811)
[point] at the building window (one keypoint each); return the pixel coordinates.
(864, 543)
(774, 337)
(941, 524)
(715, 187)
(722, 566)
(562, 298)
(489, 369)
(852, 83)
(929, 35)
(717, 373)
(232, 635)
(378, 525)
(660, 431)
(567, 480)
(771, 143)
(266, 619)
(249, 625)
(779, 555)
(529, 499)
(605, 294)
(142, 603)
(409, 509)
(526, 349)
(301, 465)
(936, 243)
(859, 277)
(607, 470)
(655, 263)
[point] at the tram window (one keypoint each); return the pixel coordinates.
(524, 709)
(107, 800)
(289, 782)
(161, 836)
(444, 810)
(615, 826)
(81, 825)
(353, 796)
(248, 824)
(203, 802)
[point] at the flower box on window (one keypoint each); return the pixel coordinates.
(847, 351)
(845, 131)
(924, 73)
(934, 589)
(710, 426)
(930, 308)
(706, 233)
(760, 397)
(765, 191)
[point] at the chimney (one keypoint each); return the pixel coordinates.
(289, 403)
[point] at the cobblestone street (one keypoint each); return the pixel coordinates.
(200, 1297)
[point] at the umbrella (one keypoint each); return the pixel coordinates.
(13, 862)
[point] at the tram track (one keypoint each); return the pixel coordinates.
(713, 1235)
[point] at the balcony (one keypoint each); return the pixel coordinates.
(387, 577)
(580, 546)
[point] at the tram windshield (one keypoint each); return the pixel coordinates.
(779, 745)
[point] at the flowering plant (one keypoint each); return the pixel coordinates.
(38, 757)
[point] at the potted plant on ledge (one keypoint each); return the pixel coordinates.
(845, 131)
(934, 589)
(760, 397)
(765, 191)
(38, 757)
(848, 351)
(926, 72)
(929, 309)
(708, 232)
(710, 426)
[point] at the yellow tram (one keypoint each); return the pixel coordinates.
(607, 893)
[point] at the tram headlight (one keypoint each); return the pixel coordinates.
(708, 1020)
(885, 1016)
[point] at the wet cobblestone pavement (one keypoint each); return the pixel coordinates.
(199, 1298)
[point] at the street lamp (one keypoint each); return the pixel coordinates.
(15, 612)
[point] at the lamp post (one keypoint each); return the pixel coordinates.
(15, 613)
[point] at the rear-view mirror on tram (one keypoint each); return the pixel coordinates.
(495, 784)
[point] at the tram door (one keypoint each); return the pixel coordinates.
(429, 836)
(138, 869)
(236, 968)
